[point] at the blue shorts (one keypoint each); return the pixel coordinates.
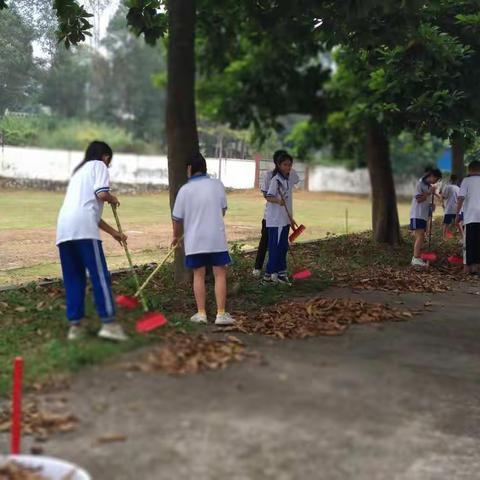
(449, 218)
(216, 259)
(418, 224)
(461, 217)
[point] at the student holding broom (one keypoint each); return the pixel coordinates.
(263, 244)
(469, 201)
(279, 198)
(419, 211)
(199, 208)
(80, 246)
(449, 197)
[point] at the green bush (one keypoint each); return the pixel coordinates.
(69, 134)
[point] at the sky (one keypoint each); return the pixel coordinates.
(100, 23)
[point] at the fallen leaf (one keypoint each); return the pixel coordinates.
(319, 316)
(111, 438)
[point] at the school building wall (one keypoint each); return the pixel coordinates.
(41, 166)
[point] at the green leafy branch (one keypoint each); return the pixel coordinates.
(73, 26)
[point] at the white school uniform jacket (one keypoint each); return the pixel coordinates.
(276, 215)
(82, 209)
(450, 194)
(420, 210)
(265, 184)
(200, 205)
(470, 191)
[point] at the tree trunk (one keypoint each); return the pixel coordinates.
(385, 224)
(181, 124)
(457, 142)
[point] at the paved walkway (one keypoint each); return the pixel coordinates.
(397, 401)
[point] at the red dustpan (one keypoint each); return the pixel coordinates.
(150, 321)
(429, 257)
(128, 302)
(455, 259)
(302, 274)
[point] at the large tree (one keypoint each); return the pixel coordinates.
(17, 67)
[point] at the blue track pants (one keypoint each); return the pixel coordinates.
(78, 257)
(277, 249)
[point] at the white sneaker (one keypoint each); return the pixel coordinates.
(257, 273)
(418, 262)
(76, 332)
(283, 279)
(113, 331)
(224, 319)
(199, 318)
(270, 279)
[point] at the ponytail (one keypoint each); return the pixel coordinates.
(95, 151)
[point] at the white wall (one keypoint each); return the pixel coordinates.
(57, 165)
(39, 164)
(339, 179)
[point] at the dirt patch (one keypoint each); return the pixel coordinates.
(26, 248)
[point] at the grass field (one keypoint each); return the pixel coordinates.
(27, 226)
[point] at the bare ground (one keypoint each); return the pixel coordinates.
(394, 401)
(26, 248)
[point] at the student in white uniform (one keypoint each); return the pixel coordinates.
(419, 212)
(80, 246)
(469, 200)
(200, 207)
(449, 196)
(263, 244)
(279, 195)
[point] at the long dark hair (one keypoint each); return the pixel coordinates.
(95, 151)
(280, 159)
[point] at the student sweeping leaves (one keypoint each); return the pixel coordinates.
(449, 197)
(263, 244)
(199, 208)
(279, 198)
(80, 246)
(419, 212)
(469, 201)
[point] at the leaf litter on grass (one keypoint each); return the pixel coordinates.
(393, 279)
(183, 354)
(316, 317)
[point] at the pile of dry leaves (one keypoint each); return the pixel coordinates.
(183, 354)
(15, 471)
(38, 422)
(320, 316)
(394, 279)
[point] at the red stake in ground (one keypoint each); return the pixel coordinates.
(16, 406)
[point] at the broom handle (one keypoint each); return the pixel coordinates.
(431, 223)
(129, 258)
(282, 196)
(157, 268)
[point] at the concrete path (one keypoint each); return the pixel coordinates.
(398, 401)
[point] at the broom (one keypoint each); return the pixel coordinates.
(150, 320)
(430, 256)
(297, 229)
(298, 272)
